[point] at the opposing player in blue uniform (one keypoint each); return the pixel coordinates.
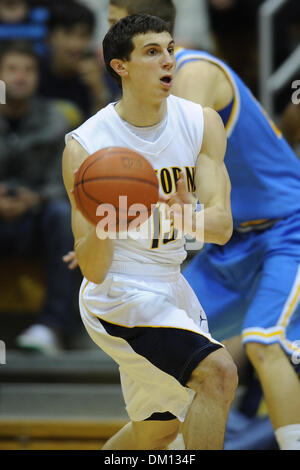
(250, 286)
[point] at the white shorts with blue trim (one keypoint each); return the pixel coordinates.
(149, 320)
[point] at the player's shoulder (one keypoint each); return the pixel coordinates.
(183, 105)
(197, 63)
(188, 113)
(96, 119)
(95, 125)
(196, 59)
(188, 117)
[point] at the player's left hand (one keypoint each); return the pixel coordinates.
(178, 203)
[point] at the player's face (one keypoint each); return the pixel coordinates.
(115, 14)
(13, 11)
(20, 74)
(70, 45)
(152, 64)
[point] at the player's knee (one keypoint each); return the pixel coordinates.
(260, 354)
(216, 375)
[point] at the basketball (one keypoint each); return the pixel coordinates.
(110, 173)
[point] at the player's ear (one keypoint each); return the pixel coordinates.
(119, 66)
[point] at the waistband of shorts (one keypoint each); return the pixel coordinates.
(161, 271)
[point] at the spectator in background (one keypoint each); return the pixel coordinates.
(234, 25)
(192, 26)
(19, 21)
(34, 211)
(100, 9)
(286, 39)
(73, 72)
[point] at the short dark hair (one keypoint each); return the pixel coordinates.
(118, 42)
(18, 47)
(68, 14)
(164, 9)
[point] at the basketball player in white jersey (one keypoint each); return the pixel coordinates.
(134, 302)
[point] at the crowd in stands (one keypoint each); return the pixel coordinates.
(53, 82)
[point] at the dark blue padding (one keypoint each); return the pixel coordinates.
(225, 113)
(167, 416)
(174, 351)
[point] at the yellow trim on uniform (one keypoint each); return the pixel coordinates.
(291, 345)
(260, 333)
(144, 326)
(275, 129)
(236, 97)
(281, 325)
(290, 309)
(233, 114)
(235, 108)
(253, 222)
(87, 282)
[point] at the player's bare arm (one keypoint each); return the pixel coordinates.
(204, 83)
(93, 255)
(214, 223)
(212, 182)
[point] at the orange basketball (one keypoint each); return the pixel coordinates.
(110, 173)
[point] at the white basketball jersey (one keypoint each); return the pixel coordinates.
(176, 149)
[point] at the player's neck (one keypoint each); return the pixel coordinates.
(140, 113)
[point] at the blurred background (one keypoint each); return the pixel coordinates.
(57, 389)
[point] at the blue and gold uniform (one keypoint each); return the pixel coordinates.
(252, 284)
